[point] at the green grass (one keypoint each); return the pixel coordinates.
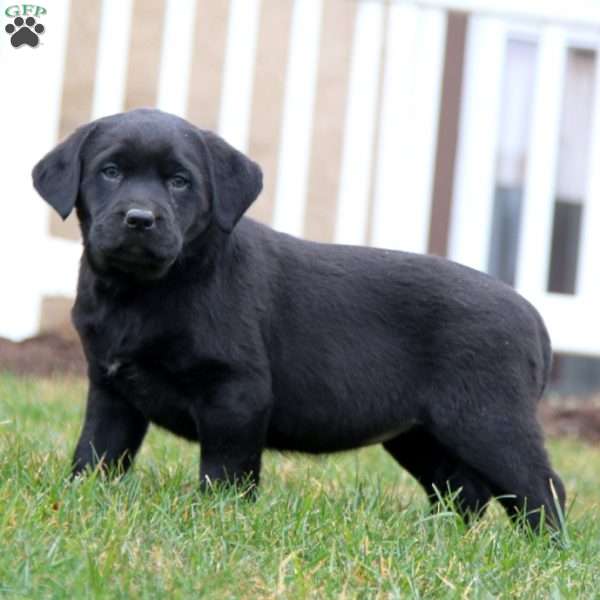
(346, 526)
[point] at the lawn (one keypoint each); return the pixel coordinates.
(346, 526)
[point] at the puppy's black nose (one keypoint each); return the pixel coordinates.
(137, 218)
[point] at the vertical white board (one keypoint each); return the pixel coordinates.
(360, 124)
(238, 73)
(176, 56)
(408, 127)
(298, 109)
(112, 57)
(588, 275)
(31, 108)
(533, 257)
(473, 196)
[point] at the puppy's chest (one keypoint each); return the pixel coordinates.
(155, 388)
(144, 371)
(157, 369)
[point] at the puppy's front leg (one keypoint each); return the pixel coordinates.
(112, 432)
(232, 427)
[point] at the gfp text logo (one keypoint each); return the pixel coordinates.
(24, 29)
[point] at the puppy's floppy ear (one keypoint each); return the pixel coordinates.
(56, 177)
(235, 180)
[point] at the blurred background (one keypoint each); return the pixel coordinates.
(464, 128)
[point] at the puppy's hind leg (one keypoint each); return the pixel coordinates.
(506, 449)
(440, 472)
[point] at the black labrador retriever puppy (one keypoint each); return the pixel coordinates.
(228, 333)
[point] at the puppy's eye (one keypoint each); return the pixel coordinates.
(178, 182)
(111, 172)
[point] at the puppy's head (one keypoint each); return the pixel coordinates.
(146, 184)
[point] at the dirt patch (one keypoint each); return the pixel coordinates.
(575, 418)
(54, 354)
(43, 356)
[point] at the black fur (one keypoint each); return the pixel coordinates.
(242, 338)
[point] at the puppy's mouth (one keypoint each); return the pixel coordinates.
(134, 260)
(132, 255)
(134, 263)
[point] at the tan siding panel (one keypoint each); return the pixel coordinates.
(144, 53)
(267, 101)
(80, 65)
(68, 229)
(328, 132)
(207, 64)
(447, 133)
(78, 86)
(55, 316)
